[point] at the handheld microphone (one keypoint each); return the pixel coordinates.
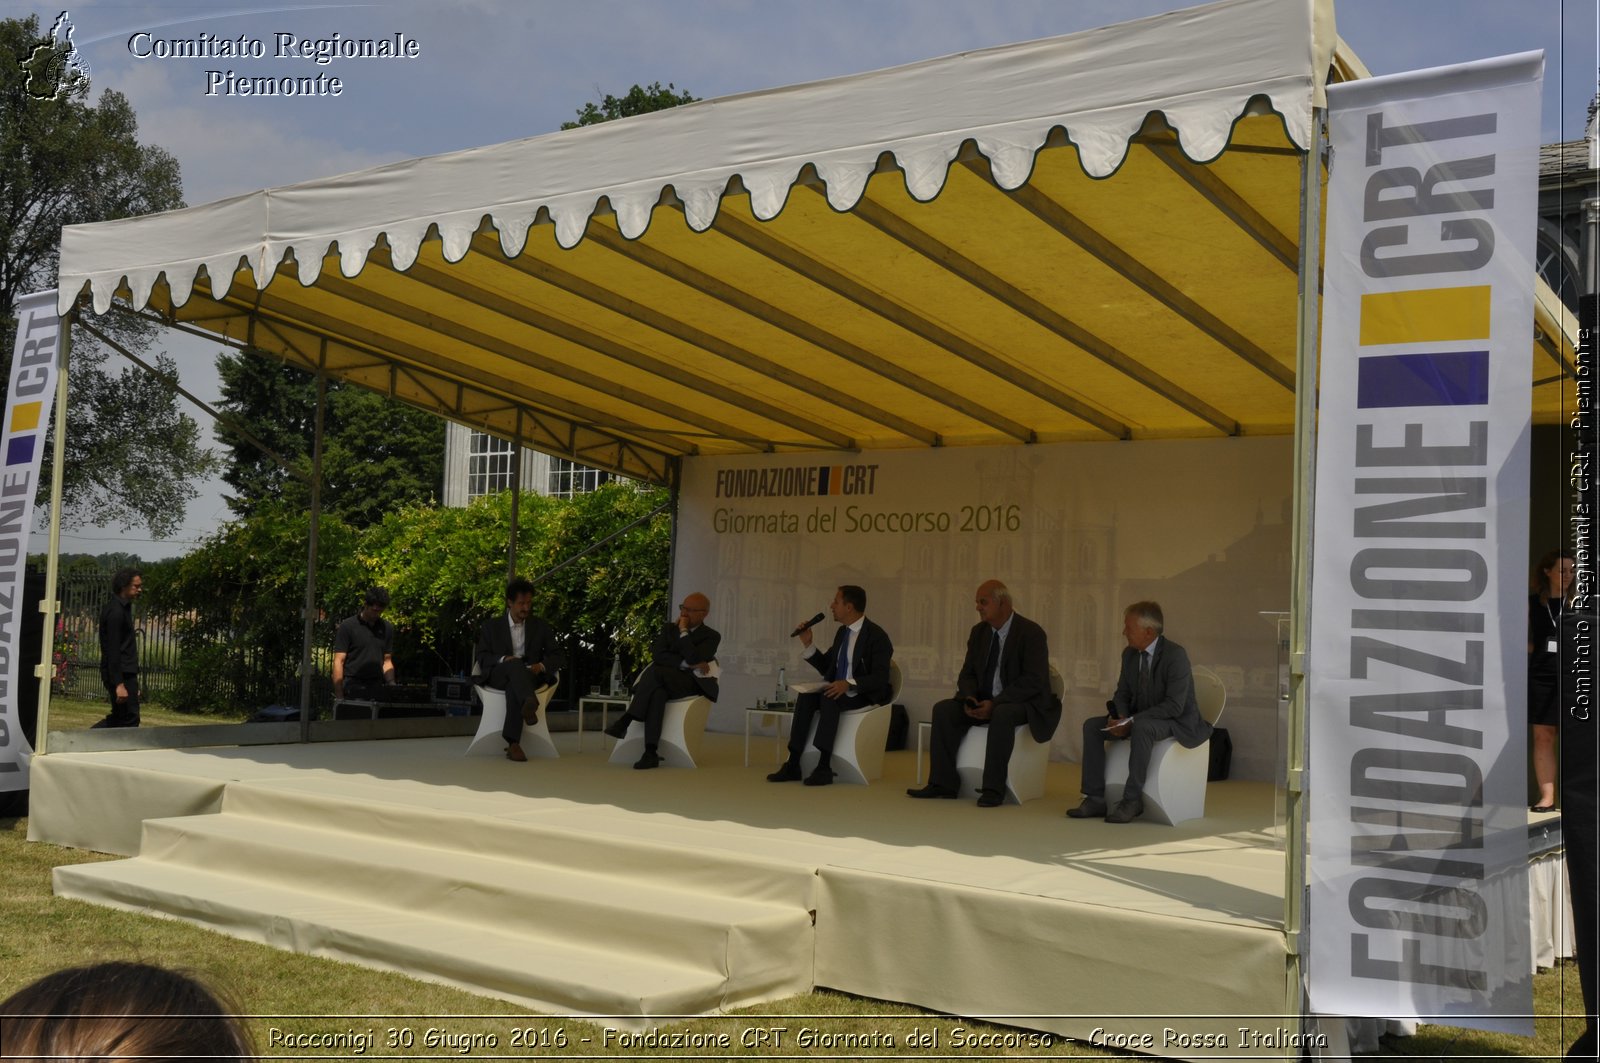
(806, 626)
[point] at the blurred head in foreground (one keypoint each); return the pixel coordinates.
(120, 1011)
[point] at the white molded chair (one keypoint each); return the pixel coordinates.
(682, 726)
(535, 737)
(1024, 771)
(858, 746)
(1175, 786)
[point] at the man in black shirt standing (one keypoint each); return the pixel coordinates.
(119, 650)
(363, 650)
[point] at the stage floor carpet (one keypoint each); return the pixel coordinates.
(582, 887)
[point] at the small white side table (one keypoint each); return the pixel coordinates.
(924, 729)
(777, 733)
(606, 702)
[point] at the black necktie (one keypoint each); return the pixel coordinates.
(990, 667)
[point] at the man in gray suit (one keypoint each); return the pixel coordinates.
(1004, 683)
(1154, 700)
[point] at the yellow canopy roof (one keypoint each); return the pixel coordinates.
(1015, 245)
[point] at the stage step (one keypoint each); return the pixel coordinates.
(518, 910)
(542, 975)
(697, 858)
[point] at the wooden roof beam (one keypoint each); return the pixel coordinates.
(720, 290)
(941, 254)
(1230, 204)
(1157, 287)
(343, 332)
(639, 359)
(456, 333)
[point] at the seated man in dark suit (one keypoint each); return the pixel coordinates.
(1004, 683)
(1154, 700)
(680, 667)
(856, 669)
(517, 653)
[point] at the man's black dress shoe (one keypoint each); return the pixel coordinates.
(1091, 808)
(651, 759)
(787, 773)
(530, 711)
(931, 790)
(990, 799)
(821, 777)
(618, 728)
(1127, 810)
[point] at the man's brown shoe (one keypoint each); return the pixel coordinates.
(514, 752)
(530, 711)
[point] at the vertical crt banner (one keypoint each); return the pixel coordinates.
(1418, 836)
(29, 395)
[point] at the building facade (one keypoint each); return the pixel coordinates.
(1569, 214)
(476, 463)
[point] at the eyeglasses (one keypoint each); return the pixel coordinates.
(694, 609)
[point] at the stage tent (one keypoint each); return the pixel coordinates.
(1097, 236)
(1089, 237)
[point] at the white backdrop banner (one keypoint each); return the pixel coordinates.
(30, 394)
(1418, 824)
(1076, 530)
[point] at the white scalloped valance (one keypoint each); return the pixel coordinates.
(1200, 68)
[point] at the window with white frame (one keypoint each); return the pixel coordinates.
(488, 464)
(569, 478)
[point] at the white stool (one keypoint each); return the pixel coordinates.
(857, 748)
(535, 737)
(1024, 771)
(682, 725)
(859, 744)
(1175, 785)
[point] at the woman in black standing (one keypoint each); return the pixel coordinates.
(1551, 580)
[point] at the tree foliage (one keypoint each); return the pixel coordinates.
(132, 457)
(379, 455)
(637, 100)
(238, 599)
(240, 593)
(63, 162)
(131, 453)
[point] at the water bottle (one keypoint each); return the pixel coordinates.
(782, 694)
(616, 676)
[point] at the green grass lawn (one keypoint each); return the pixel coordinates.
(292, 996)
(77, 714)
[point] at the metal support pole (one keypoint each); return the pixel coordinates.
(516, 496)
(50, 605)
(311, 549)
(1307, 357)
(675, 472)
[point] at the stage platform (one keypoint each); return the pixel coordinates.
(577, 886)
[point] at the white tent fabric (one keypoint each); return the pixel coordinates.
(1200, 67)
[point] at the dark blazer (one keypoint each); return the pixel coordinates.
(869, 662)
(1171, 691)
(674, 649)
(119, 645)
(1024, 673)
(494, 642)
